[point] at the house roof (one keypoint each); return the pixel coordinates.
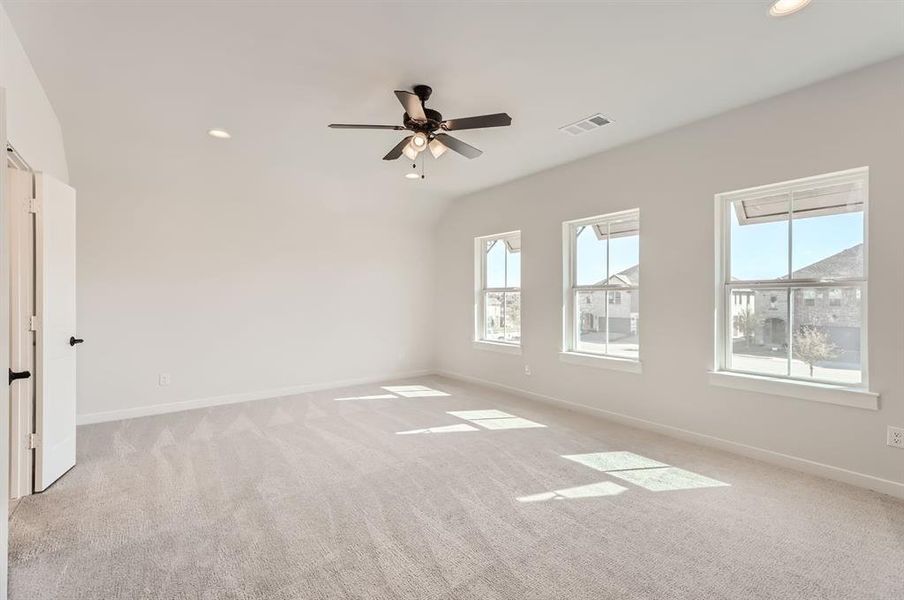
(630, 276)
(845, 264)
(842, 265)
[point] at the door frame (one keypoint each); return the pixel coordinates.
(4, 362)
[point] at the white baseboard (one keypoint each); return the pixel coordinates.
(159, 409)
(886, 486)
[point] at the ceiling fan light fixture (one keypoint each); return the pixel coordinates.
(410, 151)
(419, 141)
(412, 175)
(437, 148)
(783, 8)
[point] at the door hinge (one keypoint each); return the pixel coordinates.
(33, 205)
(33, 441)
(33, 323)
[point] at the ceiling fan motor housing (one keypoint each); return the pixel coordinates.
(423, 92)
(434, 121)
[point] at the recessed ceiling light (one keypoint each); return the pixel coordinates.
(782, 8)
(219, 133)
(412, 175)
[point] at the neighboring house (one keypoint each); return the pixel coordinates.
(742, 311)
(503, 316)
(836, 311)
(623, 306)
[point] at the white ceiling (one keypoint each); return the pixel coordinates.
(137, 84)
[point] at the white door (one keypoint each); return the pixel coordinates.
(21, 336)
(56, 343)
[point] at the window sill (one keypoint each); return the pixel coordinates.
(803, 390)
(498, 347)
(601, 362)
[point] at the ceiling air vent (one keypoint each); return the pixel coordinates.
(584, 125)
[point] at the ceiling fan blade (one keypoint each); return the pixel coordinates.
(437, 148)
(412, 105)
(397, 150)
(466, 150)
(355, 126)
(496, 120)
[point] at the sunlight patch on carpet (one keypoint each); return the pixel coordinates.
(373, 397)
(667, 479)
(614, 461)
(593, 490)
(414, 391)
(644, 472)
(461, 427)
(494, 419)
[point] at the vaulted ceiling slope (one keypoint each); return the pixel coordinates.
(137, 84)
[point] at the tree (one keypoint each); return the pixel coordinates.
(746, 323)
(812, 346)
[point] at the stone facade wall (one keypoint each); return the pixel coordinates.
(835, 311)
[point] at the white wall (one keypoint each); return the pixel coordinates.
(237, 287)
(230, 279)
(32, 125)
(237, 281)
(852, 121)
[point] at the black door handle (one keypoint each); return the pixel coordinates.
(14, 375)
(74, 340)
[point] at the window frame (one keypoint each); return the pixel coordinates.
(570, 336)
(724, 285)
(481, 290)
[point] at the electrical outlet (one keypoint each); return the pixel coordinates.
(896, 437)
(164, 379)
(527, 369)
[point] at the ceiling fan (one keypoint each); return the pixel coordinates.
(429, 129)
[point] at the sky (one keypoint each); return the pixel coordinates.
(502, 263)
(591, 254)
(758, 251)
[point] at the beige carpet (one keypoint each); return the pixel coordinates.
(312, 497)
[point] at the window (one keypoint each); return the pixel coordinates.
(835, 297)
(810, 297)
(499, 288)
(793, 279)
(602, 287)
